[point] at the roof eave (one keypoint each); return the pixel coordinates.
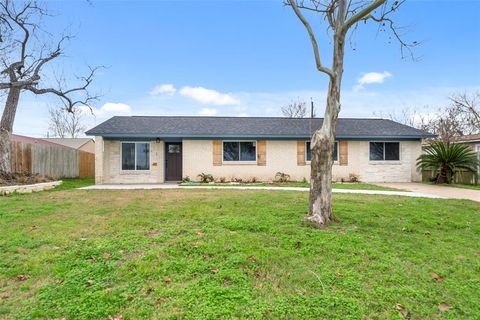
(251, 136)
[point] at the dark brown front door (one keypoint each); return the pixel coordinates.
(173, 161)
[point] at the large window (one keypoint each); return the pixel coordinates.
(239, 151)
(135, 156)
(334, 155)
(380, 151)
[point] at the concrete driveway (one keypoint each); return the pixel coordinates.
(442, 191)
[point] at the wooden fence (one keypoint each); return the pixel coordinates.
(461, 177)
(45, 160)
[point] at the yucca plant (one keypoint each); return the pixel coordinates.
(446, 159)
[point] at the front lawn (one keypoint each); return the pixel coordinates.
(300, 184)
(209, 254)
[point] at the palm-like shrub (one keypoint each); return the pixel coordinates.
(445, 159)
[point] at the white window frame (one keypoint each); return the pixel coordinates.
(334, 161)
(240, 161)
(135, 166)
(477, 147)
(384, 160)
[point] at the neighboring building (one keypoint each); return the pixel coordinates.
(82, 144)
(472, 140)
(32, 140)
(153, 149)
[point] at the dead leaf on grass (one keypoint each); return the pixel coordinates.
(149, 291)
(232, 231)
(340, 274)
(195, 245)
(298, 244)
(402, 310)
(106, 255)
(214, 270)
(90, 282)
(167, 279)
(200, 233)
(444, 307)
(206, 257)
(153, 233)
(115, 317)
(160, 301)
(252, 259)
(437, 277)
(23, 277)
(34, 227)
(4, 296)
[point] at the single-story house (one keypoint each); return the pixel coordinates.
(471, 140)
(157, 149)
(82, 144)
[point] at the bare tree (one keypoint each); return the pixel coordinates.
(460, 117)
(467, 107)
(296, 109)
(25, 53)
(64, 124)
(408, 116)
(341, 17)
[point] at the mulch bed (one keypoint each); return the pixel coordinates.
(22, 178)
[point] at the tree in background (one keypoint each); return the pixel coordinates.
(460, 117)
(298, 109)
(340, 18)
(64, 124)
(26, 51)
(446, 159)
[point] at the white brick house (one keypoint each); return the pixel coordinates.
(159, 149)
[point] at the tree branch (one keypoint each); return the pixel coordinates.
(361, 15)
(311, 34)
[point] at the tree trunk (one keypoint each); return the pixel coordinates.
(6, 127)
(320, 210)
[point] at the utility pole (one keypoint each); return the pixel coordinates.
(311, 109)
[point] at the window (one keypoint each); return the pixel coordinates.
(135, 156)
(334, 155)
(380, 151)
(477, 148)
(239, 151)
(173, 148)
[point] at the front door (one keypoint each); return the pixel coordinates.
(173, 161)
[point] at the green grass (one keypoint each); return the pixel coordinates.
(454, 185)
(335, 185)
(465, 186)
(68, 184)
(209, 254)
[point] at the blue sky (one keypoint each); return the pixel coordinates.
(250, 58)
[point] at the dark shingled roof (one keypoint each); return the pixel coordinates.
(248, 127)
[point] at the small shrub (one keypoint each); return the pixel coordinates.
(254, 179)
(186, 179)
(237, 180)
(205, 177)
(282, 177)
(222, 179)
(304, 180)
(353, 177)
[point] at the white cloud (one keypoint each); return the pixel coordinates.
(205, 96)
(370, 78)
(207, 112)
(111, 107)
(166, 88)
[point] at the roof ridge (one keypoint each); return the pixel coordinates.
(235, 117)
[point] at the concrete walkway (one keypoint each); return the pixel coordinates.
(442, 191)
(175, 186)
